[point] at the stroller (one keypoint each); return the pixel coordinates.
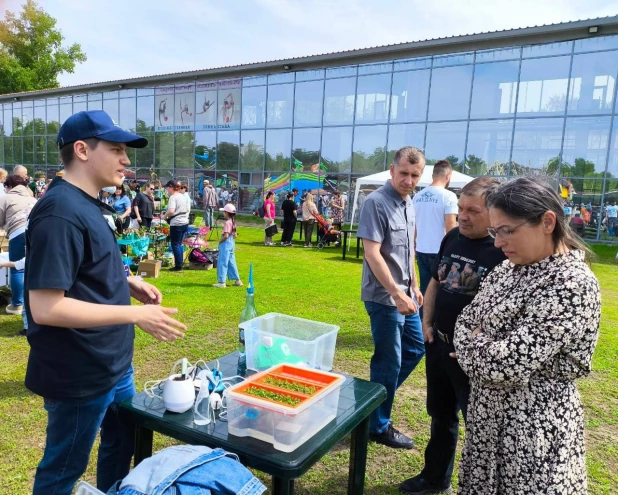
(326, 233)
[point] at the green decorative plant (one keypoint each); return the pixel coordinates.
(274, 396)
(289, 385)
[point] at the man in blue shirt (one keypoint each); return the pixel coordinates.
(78, 302)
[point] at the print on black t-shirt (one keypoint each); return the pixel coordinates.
(459, 274)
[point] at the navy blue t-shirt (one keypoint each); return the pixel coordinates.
(70, 246)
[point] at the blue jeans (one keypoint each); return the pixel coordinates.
(226, 264)
(177, 235)
(208, 217)
(17, 250)
(72, 427)
(398, 348)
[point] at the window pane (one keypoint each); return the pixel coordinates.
(184, 108)
(40, 150)
(66, 111)
(144, 156)
(28, 150)
(81, 106)
(339, 101)
(308, 106)
(95, 105)
(543, 86)
(586, 200)
(369, 148)
(584, 152)
(278, 146)
(489, 147)
(110, 95)
(404, 135)
(206, 109)
(453, 59)
(306, 149)
(254, 107)
(413, 63)
(53, 124)
(309, 75)
(495, 89)
(39, 120)
(206, 150)
(252, 150)
(341, 71)
(127, 114)
(228, 150)
(375, 68)
(612, 168)
(27, 117)
(8, 120)
(254, 81)
(229, 107)
(52, 151)
(183, 150)
(372, 99)
(336, 149)
(496, 55)
(250, 195)
(18, 150)
(145, 114)
(109, 106)
(410, 96)
(280, 104)
(450, 93)
(446, 141)
(536, 146)
(561, 48)
(17, 122)
(594, 44)
(593, 83)
(286, 77)
(8, 151)
(164, 150)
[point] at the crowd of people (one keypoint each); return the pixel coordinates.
(510, 310)
(510, 321)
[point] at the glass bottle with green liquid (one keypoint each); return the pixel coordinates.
(248, 313)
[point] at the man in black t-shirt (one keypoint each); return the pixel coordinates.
(289, 220)
(467, 254)
(80, 317)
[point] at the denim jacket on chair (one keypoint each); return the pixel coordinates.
(189, 470)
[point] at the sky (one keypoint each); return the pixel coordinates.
(131, 38)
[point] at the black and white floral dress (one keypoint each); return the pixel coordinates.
(525, 429)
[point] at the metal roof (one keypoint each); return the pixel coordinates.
(548, 33)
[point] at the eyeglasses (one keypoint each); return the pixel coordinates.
(503, 231)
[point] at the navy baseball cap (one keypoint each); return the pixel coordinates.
(96, 124)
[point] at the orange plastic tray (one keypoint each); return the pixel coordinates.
(320, 380)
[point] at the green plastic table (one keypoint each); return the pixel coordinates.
(358, 398)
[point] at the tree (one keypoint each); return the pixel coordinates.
(31, 52)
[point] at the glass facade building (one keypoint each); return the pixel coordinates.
(548, 108)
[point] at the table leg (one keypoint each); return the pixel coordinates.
(283, 487)
(358, 243)
(345, 243)
(143, 444)
(358, 458)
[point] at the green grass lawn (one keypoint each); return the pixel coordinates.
(320, 286)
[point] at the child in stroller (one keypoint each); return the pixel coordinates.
(326, 232)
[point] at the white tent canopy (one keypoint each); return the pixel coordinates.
(458, 180)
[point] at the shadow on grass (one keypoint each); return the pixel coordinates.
(605, 254)
(13, 388)
(348, 259)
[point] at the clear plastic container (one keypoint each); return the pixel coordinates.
(85, 488)
(285, 426)
(274, 339)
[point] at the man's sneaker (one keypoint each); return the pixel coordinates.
(219, 286)
(175, 269)
(419, 486)
(392, 438)
(14, 310)
(22, 332)
(238, 283)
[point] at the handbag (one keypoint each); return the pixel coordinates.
(272, 230)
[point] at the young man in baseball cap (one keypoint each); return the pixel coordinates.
(78, 302)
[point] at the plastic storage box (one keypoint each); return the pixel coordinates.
(285, 405)
(274, 339)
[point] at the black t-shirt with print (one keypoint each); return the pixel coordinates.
(288, 207)
(462, 263)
